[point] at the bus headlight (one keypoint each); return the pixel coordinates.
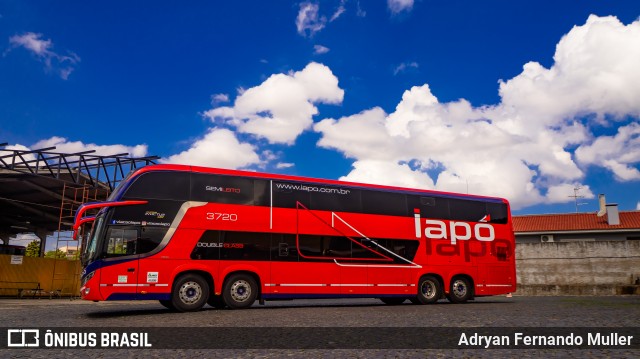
(87, 278)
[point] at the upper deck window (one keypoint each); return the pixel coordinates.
(222, 189)
(160, 185)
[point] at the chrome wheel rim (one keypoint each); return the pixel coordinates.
(428, 289)
(240, 290)
(190, 292)
(459, 288)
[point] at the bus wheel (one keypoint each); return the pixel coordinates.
(190, 293)
(167, 304)
(216, 302)
(460, 290)
(240, 291)
(393, 300)
(429, 290)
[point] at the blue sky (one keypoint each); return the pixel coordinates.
(513, 99)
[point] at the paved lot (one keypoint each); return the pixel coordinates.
(359, 314)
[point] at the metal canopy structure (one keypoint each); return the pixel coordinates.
(37, 187)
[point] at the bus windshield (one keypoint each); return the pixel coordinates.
(91, 247)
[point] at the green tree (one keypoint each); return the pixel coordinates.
(56, 254)
(33, 249)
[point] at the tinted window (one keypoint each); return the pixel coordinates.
(121, 241)
(404, 248)
(388, 203)
(365, 249)
(261, 192)
(465, 210)
(283, 247)
(150, 238)
(221, 189)
(208, 247)
(336, 199)
(128, 240)
(250, 246)
(313, 246)
(287, 194)
(498, 212)
(160, 185)
(325, 246)
(430, 207)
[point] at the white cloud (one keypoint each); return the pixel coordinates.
(618, 153)
(339, 11)
(23, 239)
(282, 165)
(526, 148)
(64, 65)
(398, 6)
(595, 72)
(359, 11)
(65, 146)
(219, 98)
(370, 171)
(638, 206)
(26, 157)
(563, 193)
(405, 66)
(308, 21)
(218, 148)
(282, 107)
(319, 49)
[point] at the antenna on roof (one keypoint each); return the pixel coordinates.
(576, 196)
(603, 205)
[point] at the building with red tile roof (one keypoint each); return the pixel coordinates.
(572, 227)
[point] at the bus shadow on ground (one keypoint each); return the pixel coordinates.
(283, 305)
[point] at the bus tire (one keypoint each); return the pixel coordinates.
(190, 293)
(460, 290)
(167, 304)
(240, 291)
(429, 290)
(216, 301)
(393, 300)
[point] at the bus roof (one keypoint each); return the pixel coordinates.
(262, 175)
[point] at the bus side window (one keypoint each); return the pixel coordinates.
(466, 210)
(498, 212)
(430, 207)
(121, 241)
(283, 247)
(283, 250)
(150, 238)
(384, 203)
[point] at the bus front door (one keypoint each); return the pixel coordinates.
(119, 277)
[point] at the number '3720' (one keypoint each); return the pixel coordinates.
(216, 216)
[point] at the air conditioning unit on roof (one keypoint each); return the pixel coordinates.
(546, 238)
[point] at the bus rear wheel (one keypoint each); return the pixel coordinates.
(190, 293)
(240, 291)
(460, 291)
(429, 290)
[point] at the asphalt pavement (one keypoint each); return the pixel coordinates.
(343, 328)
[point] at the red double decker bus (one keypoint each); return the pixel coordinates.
(188, 236)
